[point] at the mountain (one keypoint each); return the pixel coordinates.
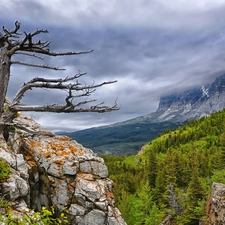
(128, 137)
(194, 103)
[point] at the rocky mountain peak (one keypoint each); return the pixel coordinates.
(49, 170)
(193, 103)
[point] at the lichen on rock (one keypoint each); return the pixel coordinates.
(50, 170)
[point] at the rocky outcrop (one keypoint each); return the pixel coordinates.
(49, 170)
(216, 205)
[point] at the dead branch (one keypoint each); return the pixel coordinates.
(57, 108)
(62, 84)
(36, 65)
(28, 37)
(13, 32)
(27, 44)
(43, 51)
(28, 54)
(40, 79)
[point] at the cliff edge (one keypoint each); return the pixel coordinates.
(49, 170)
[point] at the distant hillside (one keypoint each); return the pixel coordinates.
(129, 136)
(120, 139)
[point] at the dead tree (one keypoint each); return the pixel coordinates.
(11, 43)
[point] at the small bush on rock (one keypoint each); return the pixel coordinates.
(4, 169)
(45, 217)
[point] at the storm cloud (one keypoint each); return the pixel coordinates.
(152, 47)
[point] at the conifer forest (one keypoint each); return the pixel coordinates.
(172, 174)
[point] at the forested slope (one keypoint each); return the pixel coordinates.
(172, 174)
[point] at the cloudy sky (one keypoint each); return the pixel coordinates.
(152, 47)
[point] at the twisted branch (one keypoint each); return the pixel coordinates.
(12, 44)
(62, 84)
(36, 65)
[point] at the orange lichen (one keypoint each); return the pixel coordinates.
(48, 146)
(47, 154)
(109, 196)
(81, 153)
(63, 153)
(33, 143)
(57, 147)
(51, 179)
(27, 157)
(31, 163)
(38, 144)
(81, 174)
(64, 138)
(31, 153)
(72, 148)
(59, 162)
(19, 139)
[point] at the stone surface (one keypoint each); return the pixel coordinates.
(97, 168)
(216, 205)
(77, 210)
(169, 220)
(56, 170)
(15, 187)
(95, 217)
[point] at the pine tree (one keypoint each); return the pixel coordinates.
(195, 189)
(152, 168)
(222, 156)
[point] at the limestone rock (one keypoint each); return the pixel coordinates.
(97, 168)
(16, 186)
(77, 210)
(56, 170)
(216, 205)
(95, 217)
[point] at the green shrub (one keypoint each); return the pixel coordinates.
(45, 217)
(218, 176)
(3, 203)
(4, 169)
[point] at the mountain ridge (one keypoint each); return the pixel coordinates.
(193, 103)
(129, 136)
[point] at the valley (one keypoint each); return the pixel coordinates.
(127, 138)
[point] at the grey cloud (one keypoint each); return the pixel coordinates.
(174, 14)
(153, 48)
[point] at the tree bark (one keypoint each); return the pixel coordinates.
(4, 75)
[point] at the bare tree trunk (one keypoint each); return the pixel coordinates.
(4, 80)
(4, 75)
